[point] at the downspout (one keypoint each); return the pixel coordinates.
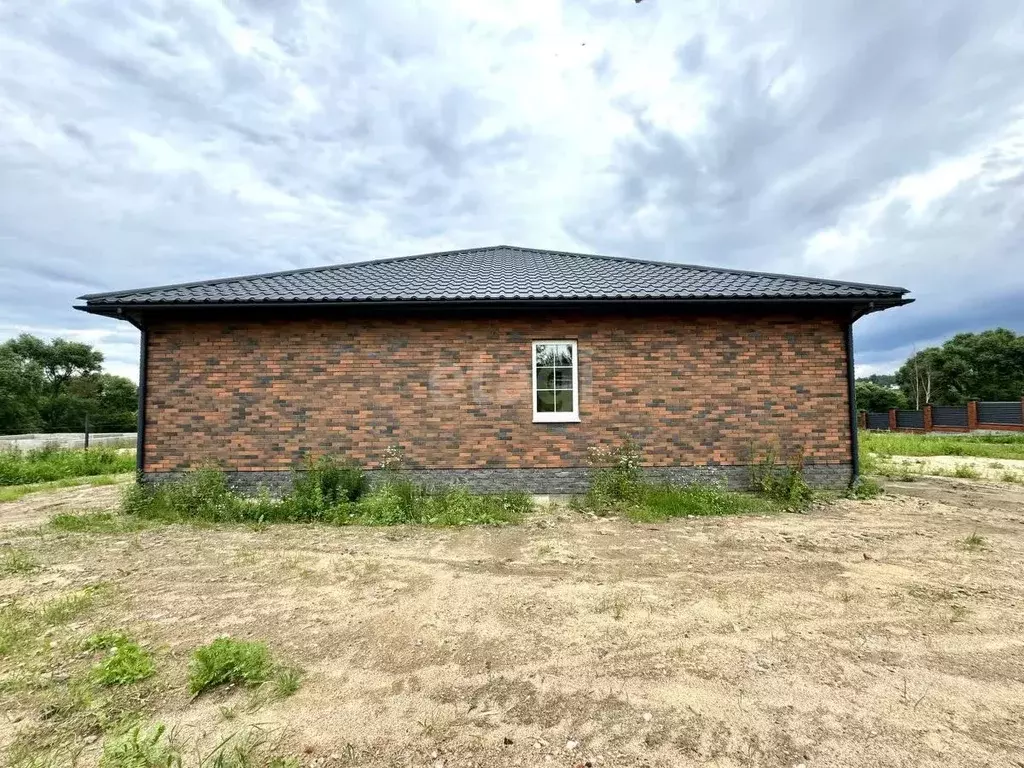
(140, 428)
(851, 392)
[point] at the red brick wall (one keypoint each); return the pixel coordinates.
(258, 395)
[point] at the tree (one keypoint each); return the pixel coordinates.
(882, 379)
(874, 397)
(54, 386)
(970, 366)
(21, 388)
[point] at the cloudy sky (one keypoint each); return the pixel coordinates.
(148, 142)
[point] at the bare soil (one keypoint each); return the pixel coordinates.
(861, 633)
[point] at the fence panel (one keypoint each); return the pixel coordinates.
(949, 416)
(999, 413)
(910, 419)
(878, 420)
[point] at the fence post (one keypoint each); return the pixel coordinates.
(862, 416)
(927, 414)
(1022, 409)
(972, 415)
(86, 432)
(892, 420)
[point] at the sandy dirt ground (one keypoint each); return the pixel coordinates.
(862, 633)
(991, 469)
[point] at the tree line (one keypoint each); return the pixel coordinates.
(970, 366)
(55, 386)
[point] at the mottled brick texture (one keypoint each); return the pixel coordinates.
(455, 394)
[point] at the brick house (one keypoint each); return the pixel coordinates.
(497, 367)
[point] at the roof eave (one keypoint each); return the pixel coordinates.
(860, 305)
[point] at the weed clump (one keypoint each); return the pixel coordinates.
(617, 485)
(865, 488)
(325, 485)
(784, 483)
(126, 661)
(229, 661)
(327, 491)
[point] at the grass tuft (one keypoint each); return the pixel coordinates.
(228, 661)
(966, 471)
(17, 561)
(142, 748)
(287, 681)
(973, 542)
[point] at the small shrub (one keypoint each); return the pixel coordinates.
(966, 471)
(1011, 477)
(866, 488)
(16, 561)
(324, 485)
(142, 748)
(616, 475)
(125, 663)
(229, 661)
(783, 484)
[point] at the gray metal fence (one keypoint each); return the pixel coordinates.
(878, 420)
(999, 413)
(910, 419)
(949, 416)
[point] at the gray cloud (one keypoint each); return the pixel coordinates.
(161, 141)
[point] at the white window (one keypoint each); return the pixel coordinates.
(555, 381)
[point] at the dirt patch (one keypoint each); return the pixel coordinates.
(863, 633)
(36, 508)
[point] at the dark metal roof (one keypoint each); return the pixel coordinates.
(500, 273)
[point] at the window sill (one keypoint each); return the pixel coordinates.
(560, 419)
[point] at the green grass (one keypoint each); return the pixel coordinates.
(15, 492)
(23, 623)
(50, 463)
(661, 502)
(15, 562)
(228, 661)
(205, 497)
(1008, 446)
(143, 747)
(96, 522)
(866, 488)
(126, 664)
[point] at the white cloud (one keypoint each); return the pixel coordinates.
(156, 142)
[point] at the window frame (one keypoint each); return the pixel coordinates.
(557, 417)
